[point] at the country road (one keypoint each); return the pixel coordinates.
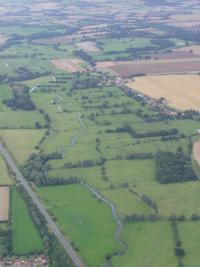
(51, 224)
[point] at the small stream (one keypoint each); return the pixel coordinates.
(117, 220)
(115, 216)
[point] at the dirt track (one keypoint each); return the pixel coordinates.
(4, 203)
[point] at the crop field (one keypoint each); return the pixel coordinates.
(195, 49)
(88, 46)
(145, 238)
(25, 236)
(174, 88)
(4, 203)
(167, 66)
(68, 65)
(196, 152)
(83, 219)
(4, 176)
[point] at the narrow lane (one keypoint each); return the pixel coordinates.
(51, 224)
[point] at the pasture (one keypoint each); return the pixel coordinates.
(4, 203)
(87, 222)
(20, 119)
(21, 142)
(143, 240)
(174, 88)
(121, 44)
(190, 237)
(25, 236)
(5, 92)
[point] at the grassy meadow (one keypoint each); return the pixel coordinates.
(25, 236)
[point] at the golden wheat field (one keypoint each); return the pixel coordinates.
(180, 91)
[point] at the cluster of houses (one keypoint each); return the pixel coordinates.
(40, 261)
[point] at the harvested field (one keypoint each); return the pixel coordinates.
(55, 40)
(4, 203)
(178, 54)
(88, 46)
(193, 49)
(68, 65)
(168, 66)
(45, 6)
(196, 152)
(181, 91)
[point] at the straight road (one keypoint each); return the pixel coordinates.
(51, 224)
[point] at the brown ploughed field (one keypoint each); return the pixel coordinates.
(4, 203)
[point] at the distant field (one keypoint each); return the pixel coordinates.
(85, 221)
(68, 65)
(4, 203)
(25, 236)
(196, 152)
(4, 176)
(195, 49)
(120, 44)
(163, 66)
(144, 239)
(88, 46)
(181, 91)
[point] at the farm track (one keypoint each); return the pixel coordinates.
(51, 224)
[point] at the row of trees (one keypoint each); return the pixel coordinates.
(5, 242)
(134, 156)
(127, 128)
(53, 249)
(81, 83)
(179, 251)
(84, 164)
(84, 56)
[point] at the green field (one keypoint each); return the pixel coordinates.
(101, 133)
(25, 237)
(5, 92)
(21, 142)
(190, 237)
(84, 220)
(149, 244)
(20, 119)
(120, 44)
(4, 176)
